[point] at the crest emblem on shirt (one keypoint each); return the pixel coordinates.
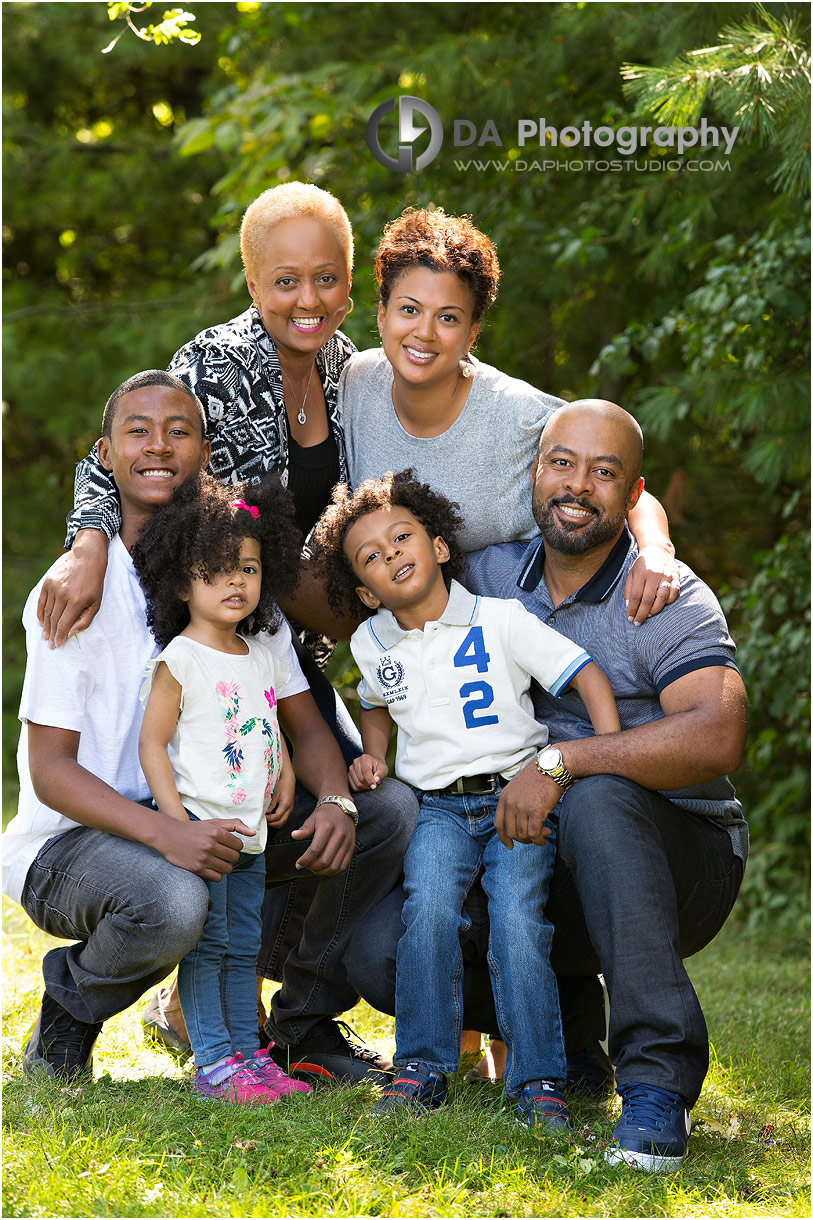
(389, 673)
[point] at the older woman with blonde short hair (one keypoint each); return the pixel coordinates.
(267, 379)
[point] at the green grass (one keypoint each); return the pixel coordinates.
(134, 1143)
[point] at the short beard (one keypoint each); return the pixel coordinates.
(576, 539)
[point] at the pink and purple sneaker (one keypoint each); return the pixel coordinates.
(233, 1081)
(274, 1077)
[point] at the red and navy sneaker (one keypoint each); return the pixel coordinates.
(414, 1087)
(330, 1056)
(653, 1131)
(540, 1102)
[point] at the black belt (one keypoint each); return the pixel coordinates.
(473, 785)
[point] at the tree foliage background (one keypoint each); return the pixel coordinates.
(682, 295)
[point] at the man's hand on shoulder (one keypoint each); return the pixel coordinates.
(333, 838)
(524, 805)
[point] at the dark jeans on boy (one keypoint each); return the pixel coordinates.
(638, 885)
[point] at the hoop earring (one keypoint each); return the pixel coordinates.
(351, 305)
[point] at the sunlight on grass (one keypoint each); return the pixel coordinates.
(136, 1143)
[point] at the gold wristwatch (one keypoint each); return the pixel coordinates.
(549, 762)
(344, 804)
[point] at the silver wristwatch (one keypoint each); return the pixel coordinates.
(549, 762)
(344, 804)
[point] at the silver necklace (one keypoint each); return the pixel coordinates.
(301, 416)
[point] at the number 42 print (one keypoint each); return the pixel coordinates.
(478, 695)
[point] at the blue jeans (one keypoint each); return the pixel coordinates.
(453, 842)
(131, 914)
(638, 885)
(217, 981)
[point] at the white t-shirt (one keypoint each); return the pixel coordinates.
(225, 751)
(458, 690)
(91, 685)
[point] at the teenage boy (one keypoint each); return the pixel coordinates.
(453, 671)
(88, 858)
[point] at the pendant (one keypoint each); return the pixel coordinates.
(302, 417)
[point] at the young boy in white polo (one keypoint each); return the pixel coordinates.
(453, 672)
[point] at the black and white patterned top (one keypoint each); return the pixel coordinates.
(235, 372)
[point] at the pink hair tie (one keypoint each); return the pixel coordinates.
(250, 508)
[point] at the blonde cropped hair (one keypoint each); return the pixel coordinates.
(286, 202)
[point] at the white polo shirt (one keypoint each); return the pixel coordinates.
(458, 690)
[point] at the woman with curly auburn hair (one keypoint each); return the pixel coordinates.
(467, 429)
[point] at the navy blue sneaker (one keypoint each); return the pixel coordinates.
(415, 1087)
(590, 1073)
(653, 1131)
(541, 1102)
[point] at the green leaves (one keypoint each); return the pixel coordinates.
(172, 27)
(757, 78)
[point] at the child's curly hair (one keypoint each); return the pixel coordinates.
(437, 515)
(201, 530)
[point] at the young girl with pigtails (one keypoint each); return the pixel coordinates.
(212, 564)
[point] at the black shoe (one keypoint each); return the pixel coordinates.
(590, 1073)
(59, 1044)
(327, 1055)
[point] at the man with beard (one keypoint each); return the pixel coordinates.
(651, 838)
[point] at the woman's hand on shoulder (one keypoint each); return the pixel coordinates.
(653, 582)
(71, 593)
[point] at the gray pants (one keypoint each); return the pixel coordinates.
(133, 914)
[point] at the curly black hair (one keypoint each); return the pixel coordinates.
(437, 515)
(201, 530)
